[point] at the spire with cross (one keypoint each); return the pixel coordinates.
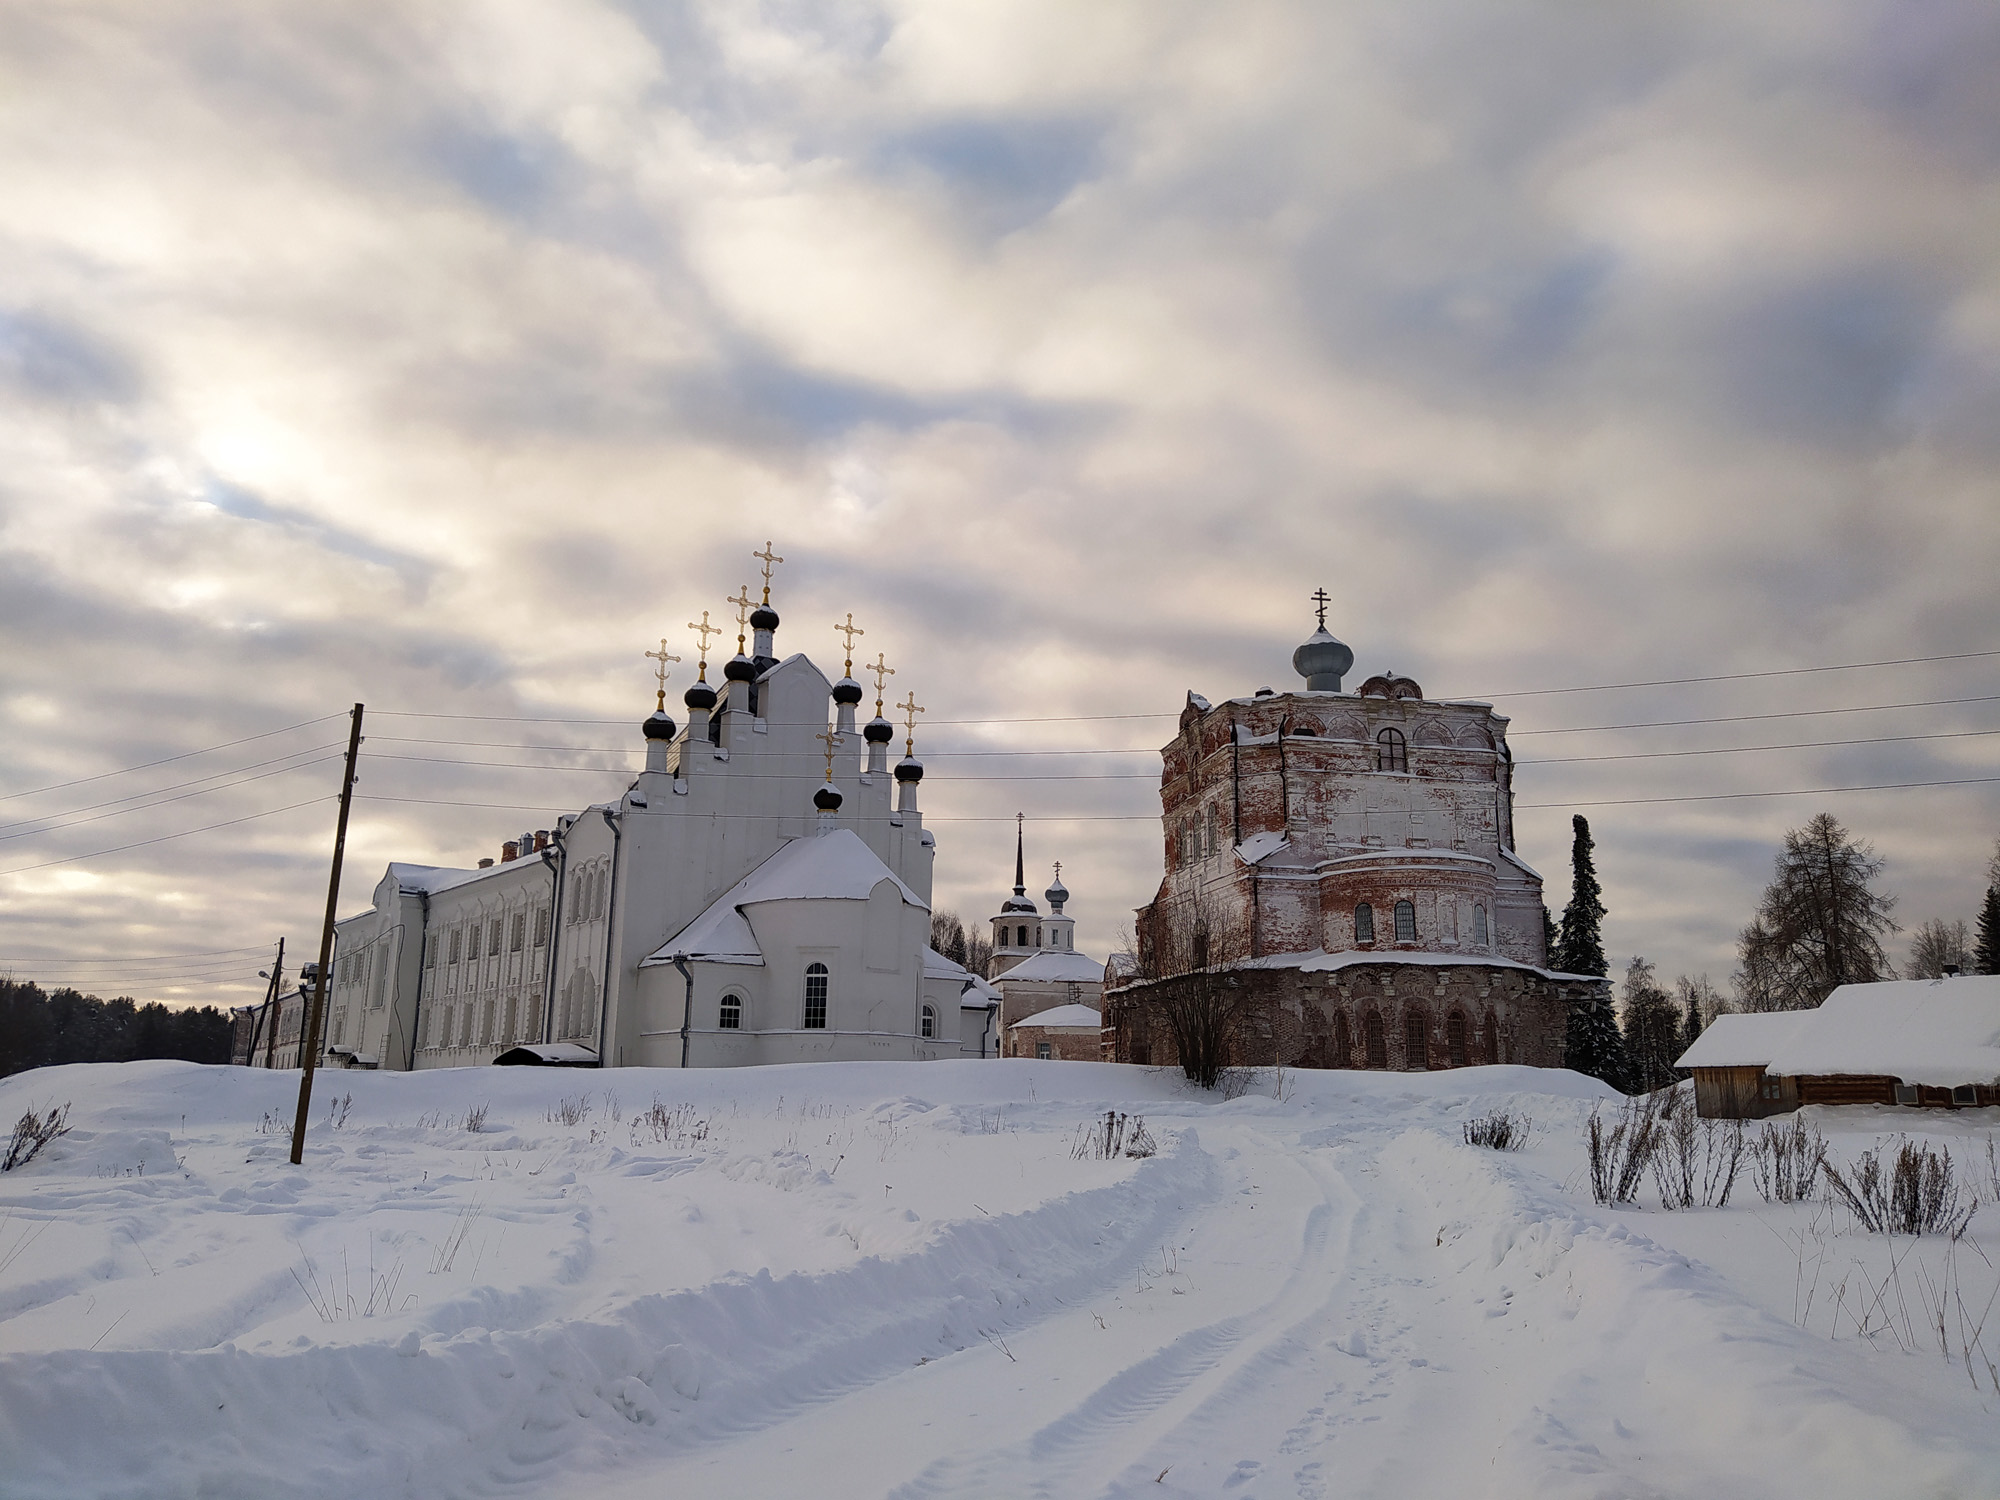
(832, 742)
(911, 708)
(704, 630)
(850, 630)
(741, 599)
(1020, 873)
(662, 656)
(883, 671)
(1322, 599)
(770, 557)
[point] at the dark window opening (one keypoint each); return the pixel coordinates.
(1377, 1044)
(1406, 922)
(731, 1017)
(1391, 751)
(1416, 1044)
(1364, 923)
(930, 1020)
(1454, 1039)
(815, 1016)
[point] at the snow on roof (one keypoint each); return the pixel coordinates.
(1514, 859)
(835, 866)
(1052, 965)
(1260, 846)
(937, 966)
(1941, 1032)
(1063, 1015)
(1318, 961)
(978, 994)
(1743, 1041)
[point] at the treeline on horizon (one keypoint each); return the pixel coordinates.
(41, 1028)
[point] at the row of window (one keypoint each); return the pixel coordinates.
(587, 893)
(1058, 938)
(1461, 1043)
(729, 1016)
(1405, 917)
(477, 1023)
(461, 943)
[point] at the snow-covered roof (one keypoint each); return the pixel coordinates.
(1743, 1041)
(937, 966)
(1260, 846)
(1318, 961)
(978, 994)
(1941, 1032)
(834, 866)
(1063, 1015)
(1055, 966)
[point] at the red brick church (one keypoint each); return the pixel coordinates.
(1341, 874)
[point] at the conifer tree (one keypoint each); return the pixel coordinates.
(1591, 1043)
(1986, 956)
(1820, 923)
(1652, 1032)
(1580, 941)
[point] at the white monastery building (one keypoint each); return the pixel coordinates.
(1037, 969)
(760, 894)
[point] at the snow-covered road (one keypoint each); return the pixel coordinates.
(899, 1280)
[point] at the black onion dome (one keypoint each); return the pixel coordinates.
(700, 698)
(763, 617)
(909, 768)
(847, 690)
(878, 731)
(740, 669)
(826, 799)
(658, 726)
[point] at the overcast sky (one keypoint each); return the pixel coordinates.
(445, 357)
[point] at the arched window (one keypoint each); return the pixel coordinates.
(1340, 1058)
(1212, 845)
(1416, 1043)
(1406, 922)
(929, 1022)
(1364, 923)
(815, 1016)
(1038, 937)
(1391, 753)
(1454, 1039)
(1372, 1039)
(1479, 931)
(1020, 937)
(730, 1016)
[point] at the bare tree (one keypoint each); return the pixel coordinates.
(1188, 945)
(1819, 925)
(1938, 945)
(948, 935)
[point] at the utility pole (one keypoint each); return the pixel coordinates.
(277, 977)
(309, 1039)
(276, 1007)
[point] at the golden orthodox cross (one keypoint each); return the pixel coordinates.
(832, 742)
(741, 599)
(769, 557)
(850, 630)
(662, 656)
(704, 630)
(1322, 598)
(882, 670)
(911, 708)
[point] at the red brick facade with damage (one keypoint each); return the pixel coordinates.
(1347, 861)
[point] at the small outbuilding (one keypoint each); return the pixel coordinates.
(1925, 1043)
(1072, 1033)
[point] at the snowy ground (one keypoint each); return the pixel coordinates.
(896, 1280)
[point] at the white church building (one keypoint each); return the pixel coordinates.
(760, 894)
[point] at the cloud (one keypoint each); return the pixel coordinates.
(446, 359)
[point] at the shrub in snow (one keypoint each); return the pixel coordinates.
(1113, 1136)
(32, 1132)
(1787, 1158)
(1696, 1160)
(570, 1112)
(1499, 1131)
(1621, 1153)
(1920, 1194)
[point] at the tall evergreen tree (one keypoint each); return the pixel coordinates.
(1986, 956)
(1591, 1043)
(1580, 941)
(1652, 1031)
(1820, 923)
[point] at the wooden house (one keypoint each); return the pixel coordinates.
(1923, 1043)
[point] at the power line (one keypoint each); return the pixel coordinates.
(1800, 791)
(52, 825)
(1797, 713)
(163, 838)
(1887, 739)
(1846, 666)
(164, 801)
(137, 958)
(169, 760)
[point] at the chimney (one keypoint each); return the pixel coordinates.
(486, 864)
(541, 839)
(509, 852)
